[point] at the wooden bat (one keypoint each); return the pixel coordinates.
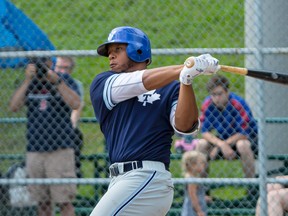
(264, 75)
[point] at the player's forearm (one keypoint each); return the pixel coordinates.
(129, 85)
(186, 115)
(158, 77)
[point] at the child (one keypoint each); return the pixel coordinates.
(193, 165)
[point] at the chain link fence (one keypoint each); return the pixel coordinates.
(249, 33)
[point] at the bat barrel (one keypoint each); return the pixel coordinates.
(259, 74)
(269, 76)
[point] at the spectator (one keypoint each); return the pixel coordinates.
(193, 166)
(277, 199)
(50, 98)
(66, 65)
(228, 127)
(138, 110)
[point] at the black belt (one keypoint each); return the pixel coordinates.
(127, 166)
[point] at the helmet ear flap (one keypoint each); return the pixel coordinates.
(134, 52)
(139, 52)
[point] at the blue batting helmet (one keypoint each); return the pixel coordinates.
(138, 44)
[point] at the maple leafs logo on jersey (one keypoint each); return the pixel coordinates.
(149, 97)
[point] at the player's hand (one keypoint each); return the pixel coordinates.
(213, 64)
(194, 66)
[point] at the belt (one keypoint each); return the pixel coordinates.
(121, 168)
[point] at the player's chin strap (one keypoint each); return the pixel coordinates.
(195, 129)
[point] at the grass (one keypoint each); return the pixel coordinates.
(227, 169)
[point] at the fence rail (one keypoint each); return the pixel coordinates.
(270, 120)
(160, 51)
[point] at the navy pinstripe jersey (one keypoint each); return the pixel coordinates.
(138, 128)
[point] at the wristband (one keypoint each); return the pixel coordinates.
(194, 130)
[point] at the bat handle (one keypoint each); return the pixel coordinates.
(235, 70)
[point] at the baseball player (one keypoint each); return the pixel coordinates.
(138, 110)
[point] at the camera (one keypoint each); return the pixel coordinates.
(41, 66)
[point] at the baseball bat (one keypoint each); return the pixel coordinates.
(259, 74)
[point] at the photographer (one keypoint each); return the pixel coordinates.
(50, 98)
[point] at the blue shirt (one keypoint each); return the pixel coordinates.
(236, 117)
(138, 128)
(48, 117)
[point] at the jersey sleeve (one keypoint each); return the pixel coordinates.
(110, 88)
(125, 86)
(120, 87)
